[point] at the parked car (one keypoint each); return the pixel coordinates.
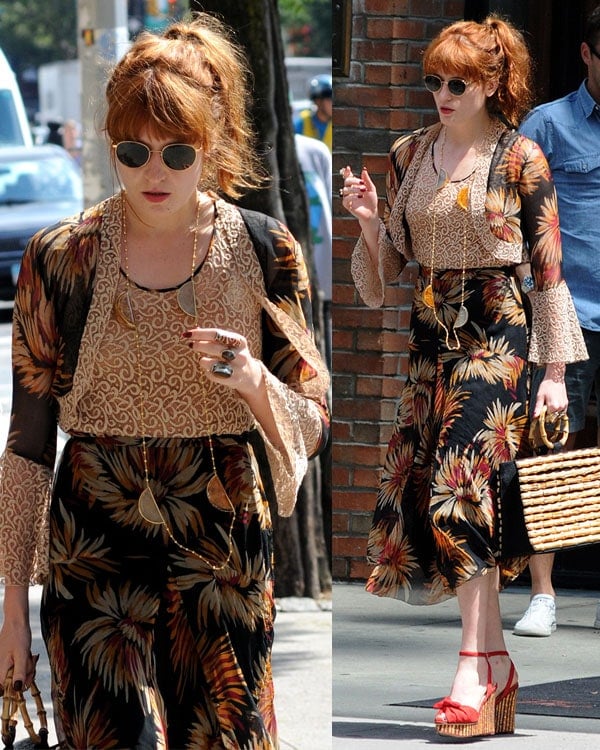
(38, 186)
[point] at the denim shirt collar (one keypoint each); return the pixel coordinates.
(586, 101)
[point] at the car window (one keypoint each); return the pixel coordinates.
(40, 181)
(10, 129)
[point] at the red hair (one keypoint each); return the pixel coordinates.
(189, 84)
(493, 50)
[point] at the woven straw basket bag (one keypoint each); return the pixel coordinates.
(548, 502)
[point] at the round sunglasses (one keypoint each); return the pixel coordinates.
(177, 156)
(456, 86)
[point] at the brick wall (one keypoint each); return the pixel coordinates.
(381, 97)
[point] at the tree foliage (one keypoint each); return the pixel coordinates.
(307, 26)
(33, 33)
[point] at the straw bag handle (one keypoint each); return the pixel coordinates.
(13, 702)
(559, 430)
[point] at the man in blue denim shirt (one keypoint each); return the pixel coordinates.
(568, 131)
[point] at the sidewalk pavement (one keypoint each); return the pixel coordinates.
(388, 654)
(301, 670)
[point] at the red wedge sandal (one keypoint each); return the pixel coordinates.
(506, 700)
(455, 720)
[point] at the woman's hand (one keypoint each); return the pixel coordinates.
(225, 358)
(552, 391)
(359, 195)
(15, 638)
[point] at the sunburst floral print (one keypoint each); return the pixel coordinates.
(549, 238)
(502, 434)
(438, 481)
(190, 614)
(502, 212)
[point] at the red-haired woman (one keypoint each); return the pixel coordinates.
(469, 200)
(169, 334)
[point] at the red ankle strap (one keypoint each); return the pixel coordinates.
(472, 653)
(497, 653)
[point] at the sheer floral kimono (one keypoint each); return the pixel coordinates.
(156, 641)
(464, 407)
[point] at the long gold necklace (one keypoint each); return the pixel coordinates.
(463, 202)
(147, 506)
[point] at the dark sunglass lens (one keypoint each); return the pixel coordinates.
(132, 154)
(179, 156)
(433, 84)
(456, 87)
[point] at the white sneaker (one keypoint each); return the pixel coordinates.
(597, 620)
(539, 618)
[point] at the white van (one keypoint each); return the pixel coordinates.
(14, 128)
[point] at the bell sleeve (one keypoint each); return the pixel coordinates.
(27, 464)
(555, 331)
(370, 280)
(296, 377)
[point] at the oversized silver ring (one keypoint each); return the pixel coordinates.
(341, 192)
(229, 342)
(342, 171)
(228, 355)
(222, 369)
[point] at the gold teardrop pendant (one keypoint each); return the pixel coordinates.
(217, 494)
(462, 317)
(428, 299)
(148, 508)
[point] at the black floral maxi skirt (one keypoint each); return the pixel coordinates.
(461, 414)
(150, 647)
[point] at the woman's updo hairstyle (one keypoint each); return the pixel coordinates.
(493, 50)
(190, 84)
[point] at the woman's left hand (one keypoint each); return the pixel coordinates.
(225, 358)
(552, 391)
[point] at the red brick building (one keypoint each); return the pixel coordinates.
(380, 97)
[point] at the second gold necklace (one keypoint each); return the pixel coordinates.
(463, 202)
(148, 508)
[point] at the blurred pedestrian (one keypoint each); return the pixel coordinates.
(54, 132)
(315, 122)
(316, 164)
(71, 139)
(568, 131)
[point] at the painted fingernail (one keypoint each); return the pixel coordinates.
(186, 334)
(17, 685)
